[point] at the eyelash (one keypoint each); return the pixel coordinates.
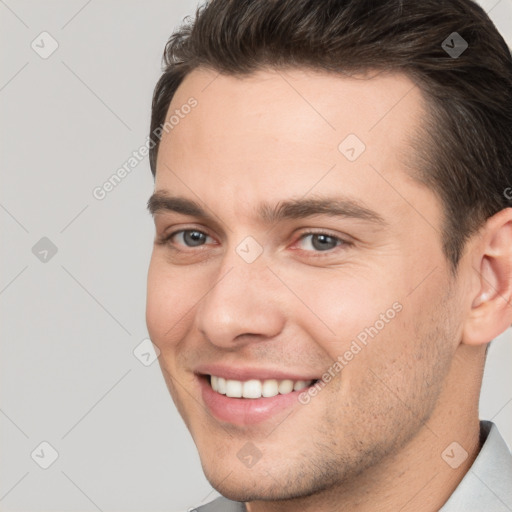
(166, 240)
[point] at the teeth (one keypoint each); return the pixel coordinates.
(255, 388)
(269, 388)
(234, 388)
(285, 386)
(221, 385)
(300, 384)
(252, 389)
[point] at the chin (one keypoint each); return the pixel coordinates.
(262, 483)
(247, 489)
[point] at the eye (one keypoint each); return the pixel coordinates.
(319, 242)
(189, 237)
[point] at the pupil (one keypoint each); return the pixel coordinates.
(194, 238)
(323, 242)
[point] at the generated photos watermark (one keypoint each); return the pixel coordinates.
(356, 346)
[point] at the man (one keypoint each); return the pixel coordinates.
(333, 250)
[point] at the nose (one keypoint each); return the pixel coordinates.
(242, 305)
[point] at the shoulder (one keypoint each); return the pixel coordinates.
(220, 504)
(486, 486)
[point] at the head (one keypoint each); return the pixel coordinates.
(330, 206)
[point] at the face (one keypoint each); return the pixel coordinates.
(297, 263)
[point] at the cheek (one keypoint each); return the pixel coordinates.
(406, 361)
(169, 298)
(337, 307)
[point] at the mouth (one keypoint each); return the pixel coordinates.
(251, 401)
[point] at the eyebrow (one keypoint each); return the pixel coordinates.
(302, 208)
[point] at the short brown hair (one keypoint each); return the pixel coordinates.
(464, 150)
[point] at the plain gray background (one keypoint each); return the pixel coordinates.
(71, 322)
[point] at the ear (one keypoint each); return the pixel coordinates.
(491, 306)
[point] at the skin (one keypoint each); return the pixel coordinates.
(373, 437)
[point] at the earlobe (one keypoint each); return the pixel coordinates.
(491, 306)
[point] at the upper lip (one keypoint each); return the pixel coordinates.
(248, 373)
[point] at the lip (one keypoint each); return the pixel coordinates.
(248, 373)
(245, 411)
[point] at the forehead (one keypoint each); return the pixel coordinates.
(287, 130)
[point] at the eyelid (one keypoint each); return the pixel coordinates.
(343, 241)
(165, 238)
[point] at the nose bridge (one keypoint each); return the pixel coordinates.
(242, 299)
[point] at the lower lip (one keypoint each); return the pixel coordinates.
(245, 411)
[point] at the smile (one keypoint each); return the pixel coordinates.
(248, 396)
(256, 388)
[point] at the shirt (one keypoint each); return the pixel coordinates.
(487, 486)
